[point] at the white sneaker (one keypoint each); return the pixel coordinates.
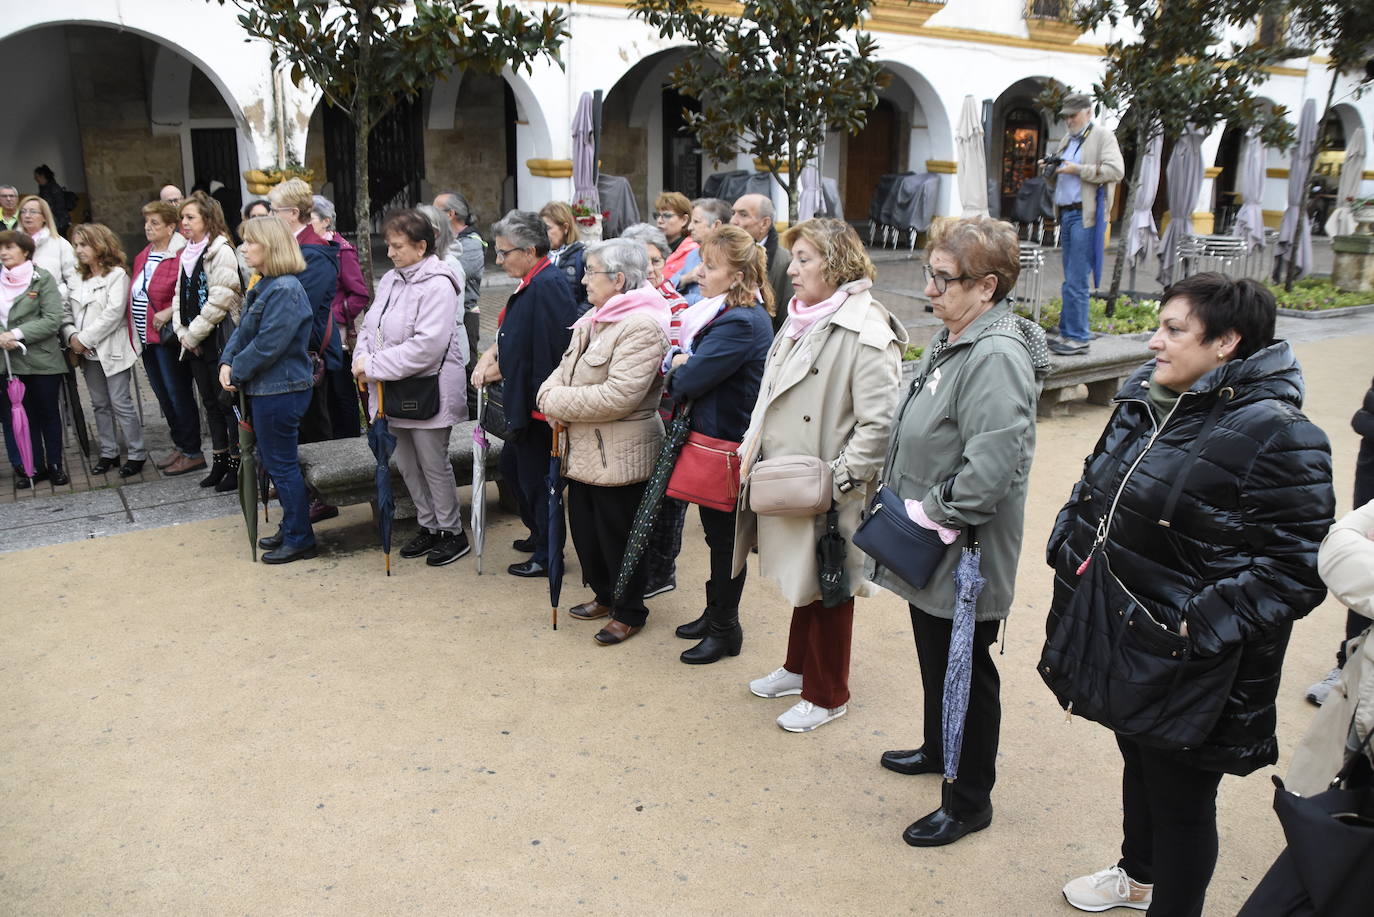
(805, 716)
(777, 684)
(1319, 692)
(1108, 889)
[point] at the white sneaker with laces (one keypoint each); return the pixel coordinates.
(779, 683)
(1319, 692)
(1108, 889)
(805, 716)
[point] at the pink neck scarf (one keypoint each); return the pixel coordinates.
(191, 254)
(800, 316)
(645, 299)
(13, 283)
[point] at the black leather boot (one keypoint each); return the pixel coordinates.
(218, 469)
(230, 481)
(725, 637)
(695, 630)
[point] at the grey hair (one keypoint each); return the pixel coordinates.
(623, 256)
(647, 233)
(456, 204)
(323, 207)
(714, 208)
(524, 229)
(443, 235)
(765, 206)
(10, 187)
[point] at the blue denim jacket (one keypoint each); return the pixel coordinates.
(267, 354)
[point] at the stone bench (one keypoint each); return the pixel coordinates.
(1102, 370)
(343, 471)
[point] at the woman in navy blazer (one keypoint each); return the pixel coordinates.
(719, 371)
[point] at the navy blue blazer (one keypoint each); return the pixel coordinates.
(722, 377)
(533, 336)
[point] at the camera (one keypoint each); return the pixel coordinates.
(1050, 165)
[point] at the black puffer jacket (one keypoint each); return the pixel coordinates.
(1218, 521)
(1363, 424)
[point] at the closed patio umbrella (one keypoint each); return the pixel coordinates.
(1295, 232)
(973, 165)
(1250, 185)
(1185, 182)
(584, 154)
(1142, 236)
(1342, 219)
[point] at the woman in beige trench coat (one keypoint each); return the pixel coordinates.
(829, 390)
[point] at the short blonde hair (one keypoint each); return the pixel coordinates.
(979, 246)
(562, 216)
(294, 192)
(164, 211)
(283, 252)
(741, 253)
(842, 251)
(675, 201)
(48, 220)
(109, 254)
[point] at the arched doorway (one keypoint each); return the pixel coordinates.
(1023, 145)
(1225, 199)
(644, 134)
(869, 155)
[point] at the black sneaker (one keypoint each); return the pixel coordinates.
(1066, 347)
(420, 544)
(449, 547)
(667, 585)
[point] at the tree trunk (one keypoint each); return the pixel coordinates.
(1140, 141)
(793, 180)
(1291, 265)
(362, 129)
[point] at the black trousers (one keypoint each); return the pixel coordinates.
(1169, 824)
(316, 425)
(972, 791)
(599, 520)
(343, 402)
(665, 542)
(205, 372)
(722, 590)
(525, 468)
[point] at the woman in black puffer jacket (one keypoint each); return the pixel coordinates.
(1209, 493)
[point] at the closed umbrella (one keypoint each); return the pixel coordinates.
(1185, 183)
(584, 154)
(78, 414)
(811, 200)
(831, 551)
(248, 472)
(1295, 232)
(480, 445)
(383, 444)
(968, 583)
(654, 490)
(973, 165)
(1142, 236)
(19, 418)
(558, 526)
(1342, 219)
(1250, 185)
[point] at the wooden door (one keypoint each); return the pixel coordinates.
(871, 153)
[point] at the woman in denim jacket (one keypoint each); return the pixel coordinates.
(267, 356)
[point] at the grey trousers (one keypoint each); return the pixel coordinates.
(112, 397)
(422, 457)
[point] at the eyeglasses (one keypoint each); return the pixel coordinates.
(501, 253)
(29, 212)
(667, 215)
(940, 280)
(286, 210)
(606, 273)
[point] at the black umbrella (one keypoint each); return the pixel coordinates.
(831, 551)
(383, 445)
(78, 414)
(558, 531)
(654, 489)
(248, 472)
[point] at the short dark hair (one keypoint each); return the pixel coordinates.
(14, 237)
(412, 224)
(1223, 304)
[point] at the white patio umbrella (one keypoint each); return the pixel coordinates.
(1342, 219)
(1250, 185)
(584, 154)
(810, 200)
(1142, 235)
(973, 167)
(1185, 183)
(1295, 232)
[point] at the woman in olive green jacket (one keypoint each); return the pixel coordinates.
(30, 313)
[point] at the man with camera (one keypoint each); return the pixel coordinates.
(1087, 162)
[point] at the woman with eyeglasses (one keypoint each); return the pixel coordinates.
(673, 215)
(52, 252)
(532, 332)
(960, 457)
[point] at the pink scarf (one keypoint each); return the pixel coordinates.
(191, 254)
(13, 283)
(697, 316)
(621, 306)
(800, 316)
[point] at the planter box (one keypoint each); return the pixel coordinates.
(1339, 312)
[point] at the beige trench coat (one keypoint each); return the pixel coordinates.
(831, 394)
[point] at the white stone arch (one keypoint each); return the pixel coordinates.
(932, 133)
(633, 101)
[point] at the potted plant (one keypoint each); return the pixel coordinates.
(588, 220)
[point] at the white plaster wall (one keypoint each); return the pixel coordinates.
(41, 120)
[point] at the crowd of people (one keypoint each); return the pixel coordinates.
(1199, 514)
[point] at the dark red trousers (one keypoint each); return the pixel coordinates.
(818, 651)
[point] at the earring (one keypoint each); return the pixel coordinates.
(1221, 355)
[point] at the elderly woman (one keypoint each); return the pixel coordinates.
(960, 457)
(95, 325)
(532, 331)
(718, 371)
(350, 299)
(30, 314)
(606, 391)
(707, 214)
(566, 251)
(52, 252)
(415, 330)
(1200, 511)
(828, 391)
(208, 294)
(267, 358)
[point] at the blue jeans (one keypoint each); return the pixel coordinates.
(170, 379)
(1076, 240)
(277, 423)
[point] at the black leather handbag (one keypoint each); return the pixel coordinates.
(888, 535)
(493, 417)
(416, 398)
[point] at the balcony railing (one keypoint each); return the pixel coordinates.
(1053, 10)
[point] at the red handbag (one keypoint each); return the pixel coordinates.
(707, 473)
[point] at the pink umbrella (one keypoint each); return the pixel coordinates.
(19, 427)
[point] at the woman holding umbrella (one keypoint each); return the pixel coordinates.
(267, 357)
(828, 391)
(960, 457)
(30, 314)
(606, 391)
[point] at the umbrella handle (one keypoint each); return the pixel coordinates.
(558, 430)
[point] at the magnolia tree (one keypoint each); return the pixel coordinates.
(774, 79)
(365, 55)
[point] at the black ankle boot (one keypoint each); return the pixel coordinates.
(695, 630)
(726, 638)
(218, 469)
(230, 480)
